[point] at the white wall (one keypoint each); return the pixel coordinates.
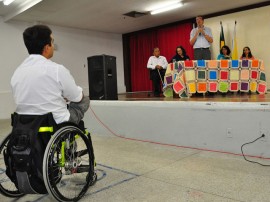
(73, 48)
(221, 126)
(253, 30)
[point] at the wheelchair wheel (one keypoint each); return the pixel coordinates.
(68, 164)
(7, 187)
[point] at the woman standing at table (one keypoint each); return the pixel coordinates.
(247, 55)
(224, 53)
(180, 54)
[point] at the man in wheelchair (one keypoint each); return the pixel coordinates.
(41, 86)
(46, 94)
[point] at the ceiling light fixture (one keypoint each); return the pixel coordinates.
(167, 8)
(7, 2)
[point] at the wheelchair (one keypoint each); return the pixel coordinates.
(40, 157)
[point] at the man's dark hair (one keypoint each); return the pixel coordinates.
(200, 16)
(36, 38)
(155, 49)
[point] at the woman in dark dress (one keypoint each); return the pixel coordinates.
(180, 55)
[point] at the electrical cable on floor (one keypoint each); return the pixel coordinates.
(263, 135)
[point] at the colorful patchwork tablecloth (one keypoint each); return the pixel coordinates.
(201, 76)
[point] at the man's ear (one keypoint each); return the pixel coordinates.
(45, 50)
(47, 46)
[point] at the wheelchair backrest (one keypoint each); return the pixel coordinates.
(25, 150)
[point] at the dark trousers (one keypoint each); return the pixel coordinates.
(202, 54)
(154, 76)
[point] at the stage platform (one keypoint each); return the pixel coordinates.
(217, 97)
(220, 122)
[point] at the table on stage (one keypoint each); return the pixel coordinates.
(202, 76)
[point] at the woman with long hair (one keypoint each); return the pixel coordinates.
(180, 54)
(247, 55)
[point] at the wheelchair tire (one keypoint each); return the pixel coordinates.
(7, 187)
(68, 164)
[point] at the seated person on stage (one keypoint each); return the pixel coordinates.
(41, 86)
(224, 53)
(180, 55)
(247, 55)
(157, 65)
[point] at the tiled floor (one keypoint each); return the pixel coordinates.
(136, 171)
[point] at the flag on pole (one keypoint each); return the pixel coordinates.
(221, 39)
(234, 44)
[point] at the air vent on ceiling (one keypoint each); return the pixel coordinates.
(135, 14)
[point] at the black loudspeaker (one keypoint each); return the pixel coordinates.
(102, 77)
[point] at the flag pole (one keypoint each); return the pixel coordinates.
(234, 44)
(221, 38)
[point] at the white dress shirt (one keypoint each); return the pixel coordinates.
(154, 61)
(39, 86)
(201, 41)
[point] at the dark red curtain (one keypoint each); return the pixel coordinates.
(171, 37)
(141, 45)
(141, 48)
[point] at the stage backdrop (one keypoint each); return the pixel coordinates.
(141, 48)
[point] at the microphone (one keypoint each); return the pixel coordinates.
(200, 32)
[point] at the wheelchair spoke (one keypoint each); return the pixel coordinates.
(70, 164)
(81, 153)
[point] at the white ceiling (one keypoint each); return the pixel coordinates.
(107, 15)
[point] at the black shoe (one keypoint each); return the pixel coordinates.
(198, 94)
(209, 94)
(157, 95)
